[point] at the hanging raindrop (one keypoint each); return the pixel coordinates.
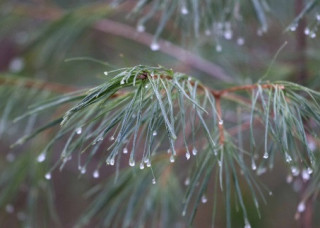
(220, 122)
(48, 176)
(96, 174)
(295, 171)
(288, 158)
(305, 175)
(172, 159)
(215, 152)
(122, 82)
(194, 151)
(240, 41)
(148, 164)
(228, 34)
(111, 138)
(132, 162)
(266, 155)
(310, 171)
(125, 150)
(154, 46)
(301, 207)
(293, 27)
(307, 31)
(154, 181)
(187, 181)
(318, 17)
(79, 130)
(105, 73)
(247, 224)
(154, 133)
(188, 155)
(83, 170)
(184, 10)
(253, 165)
(289, 179)
(313, 35)
(41, 157)
(140, 28)
(111, 162)
(207, 32)
(141, 165)
(204, 199)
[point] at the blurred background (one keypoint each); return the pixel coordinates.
(51, 47)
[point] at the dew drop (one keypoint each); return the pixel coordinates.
(215, 152)
(289, 179)
(48, 176)
(313, 35)
(140, 28)
(194, 151)
(266, 155)
(132, 163)
(221, 122)
(141, 165)
(146, 160)
(111, 161)
(188, 155)
(270, 193)
(148, 164)
(122, 82)
(218, 48)
(310, 171)
(293, 27)
(318, 17)
(307, 31)
(9, 208)
(295, 171)
(154, 46)
(154, 181)
(187, 181)
(105, 73)
(125, 150)
(301, 207)
(41, 157)
(288, 158)
(240, 41)
(96, 174)
(183, 213)
(247, 224)
(204, 199)
(146, 86)
(172, 159)
(305, 175)
(154, 133)
(228, 34)
(253, 165)
(184, 10)
(79, 130)
(111, 138)
(83, 170)
(219, 163)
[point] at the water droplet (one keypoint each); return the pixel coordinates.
(140, 28)
(307, 31)
(132, 162)
(204, 199)
(289, 179)
(154, 181)
(96, 174)
(301, 207)
(218, 48)
(146, 86)
(295, 171)
(219, 163)
(288, 158)
(125, 150)
(141, 165)
(9, 208)
(265, 155)
(146, 160)
(220, 122)
(122, 82)
(207, 32)
(305, 175)
(318, 17)
(253, 165)
(16, 65)
(10, 157)
(183, 213)
(148, 164)
(48, 176)
(194, 151)
(154, 46)
(310, 171)
(111, 161)
(79, 130)
(293, 27)
(105, 73)
(228, 34)
(154, 133)
(172, 159)
(312, 145)
(261, 171)
(313, 35)
(188, 155)
(111, 138)
(83, 170)
(187, 181)
(240, 41)
(270, 193)
(215, 152)
(184, 10)
(41, 157)
(247, 224)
